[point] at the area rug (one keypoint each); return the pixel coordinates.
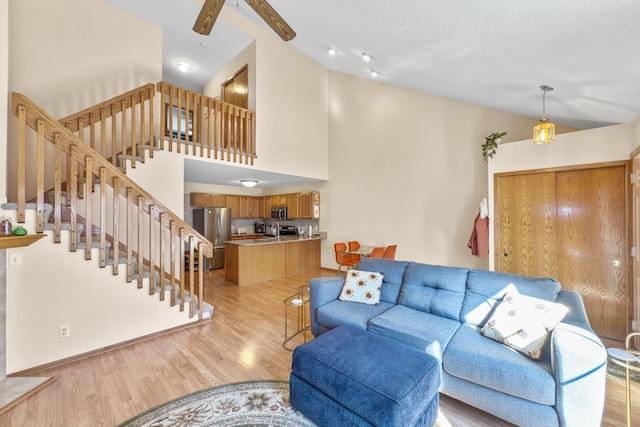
(253, 403)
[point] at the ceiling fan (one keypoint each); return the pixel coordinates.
(212, 8)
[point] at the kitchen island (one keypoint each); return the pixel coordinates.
(258, 260)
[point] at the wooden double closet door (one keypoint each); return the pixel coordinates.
(570, 224)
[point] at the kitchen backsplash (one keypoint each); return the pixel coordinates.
(248, 224)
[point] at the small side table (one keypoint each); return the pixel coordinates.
(299, 302)
(631, 363)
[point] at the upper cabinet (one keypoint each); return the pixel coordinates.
(233, 202)
(200, 199)
(206, 199)
(309, 205)
(293, 207)
(279, 200)
(218, 200)
(254, 207)
(299, 205)
(268, 202)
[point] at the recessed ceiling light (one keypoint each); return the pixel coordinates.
(203, 44)
(374, 73)
(366, 57)
(332, 51)
(248, 182)
(183, 66)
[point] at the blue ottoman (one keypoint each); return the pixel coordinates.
(352, 377)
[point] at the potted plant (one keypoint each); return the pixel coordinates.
(491, 144)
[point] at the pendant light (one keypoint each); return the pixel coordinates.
(545, 132)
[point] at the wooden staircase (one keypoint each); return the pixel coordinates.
(130, 229)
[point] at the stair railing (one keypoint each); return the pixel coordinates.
(157, 235)
(119, 125)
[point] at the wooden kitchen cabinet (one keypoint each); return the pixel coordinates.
(206, 199)
(253, 210)
(279, 200)
(200, 199)
(309, 205)
(267, 207)
(244, 207)
(248, 207)
(233, 202)
(306, 209)
(219, 200)
(293, 206)
(305, 205)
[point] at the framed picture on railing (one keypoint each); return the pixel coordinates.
(186, 126)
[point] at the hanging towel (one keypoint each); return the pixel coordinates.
(479, 240)
(484, 208)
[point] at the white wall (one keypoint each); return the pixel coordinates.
(605, 144)
(162, 177)
(291, 96)
(406, 168)
(67, 55)
(54, 287)
(213, 88)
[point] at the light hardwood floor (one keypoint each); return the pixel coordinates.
(241, 343)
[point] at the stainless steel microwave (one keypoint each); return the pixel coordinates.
(279, 212)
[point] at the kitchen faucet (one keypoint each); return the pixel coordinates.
(275, 229)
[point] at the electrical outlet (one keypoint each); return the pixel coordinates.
(65, 331)
(15, 258)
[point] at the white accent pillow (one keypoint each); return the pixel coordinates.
(523, 322)
(362, 286)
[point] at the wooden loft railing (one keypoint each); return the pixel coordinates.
(128, 123)
(226, 129)
(149, 228)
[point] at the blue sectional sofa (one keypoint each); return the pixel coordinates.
(441, 311)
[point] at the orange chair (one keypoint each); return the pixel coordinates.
(354, 245)
(377, 252)
(390, 252)
(343, 258)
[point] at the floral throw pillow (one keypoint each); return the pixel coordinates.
(523, 323)
(362, 286)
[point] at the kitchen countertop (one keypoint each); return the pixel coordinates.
(271, 240)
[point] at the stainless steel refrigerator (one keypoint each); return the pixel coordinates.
(215, 225)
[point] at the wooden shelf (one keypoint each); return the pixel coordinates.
(19, 241)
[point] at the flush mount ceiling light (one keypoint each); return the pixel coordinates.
(332, 51)
(545, 132)
(366, 57)
(374, 73)
(248, 182)
(183, 66)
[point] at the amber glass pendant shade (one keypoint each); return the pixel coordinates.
(544, 133)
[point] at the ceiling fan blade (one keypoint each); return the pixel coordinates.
(272, 18)
(207, 17)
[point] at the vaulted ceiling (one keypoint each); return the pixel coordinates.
(492, 53)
